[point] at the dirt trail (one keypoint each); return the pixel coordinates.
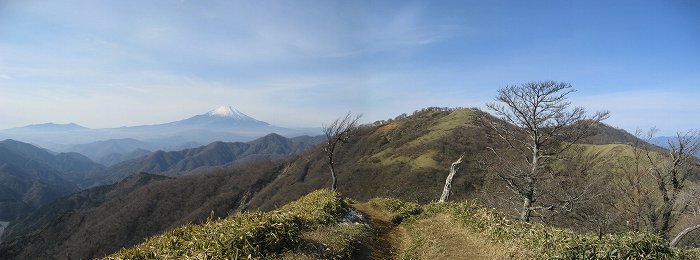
(388, 239)
(435, 237)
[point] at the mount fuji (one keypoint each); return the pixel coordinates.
(221, 117)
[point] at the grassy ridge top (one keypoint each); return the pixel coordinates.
(244, 235)
(535, 240)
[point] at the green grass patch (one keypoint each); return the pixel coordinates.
(425, 161)
(458, 118)
(609, 150)
(387, 157)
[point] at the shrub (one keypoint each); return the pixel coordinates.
(319, 207)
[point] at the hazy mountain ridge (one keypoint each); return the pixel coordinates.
(175, 163)
(50, 127)
(221, 124)
(102, 149)
(114, 158)
(665, 141)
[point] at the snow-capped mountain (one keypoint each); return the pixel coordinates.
(229, 112)
(221, 117)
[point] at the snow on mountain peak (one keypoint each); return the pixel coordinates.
(227, 111)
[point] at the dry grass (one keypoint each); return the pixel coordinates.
(388, 127)
(440, 237)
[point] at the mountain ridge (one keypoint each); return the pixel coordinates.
(220, 124)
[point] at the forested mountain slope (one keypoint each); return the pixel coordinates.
(31, 177)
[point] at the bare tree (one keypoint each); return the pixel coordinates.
(336, 133)
(448, 182)
(537, 124)
(632, 185)
(669, 172)
(580, 192)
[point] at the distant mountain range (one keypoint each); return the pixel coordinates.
(112, 145)
(46, 127)
(665, 141)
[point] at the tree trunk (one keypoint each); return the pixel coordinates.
(527, 210)
(334, 181)
(448, 182)
(666, 218)
(682, 234)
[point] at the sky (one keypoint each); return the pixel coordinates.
(302, 63)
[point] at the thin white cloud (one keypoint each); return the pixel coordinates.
(670, 111)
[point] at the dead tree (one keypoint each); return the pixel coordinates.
(336, 133)
(537, 124)
(448, 182)
(680, 236)
(669, 173)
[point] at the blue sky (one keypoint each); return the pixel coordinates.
(302, 63)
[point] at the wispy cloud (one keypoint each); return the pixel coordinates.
(668, 110)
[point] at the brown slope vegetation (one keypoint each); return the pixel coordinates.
(82, 200)
(157, 206)
(31, 177)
